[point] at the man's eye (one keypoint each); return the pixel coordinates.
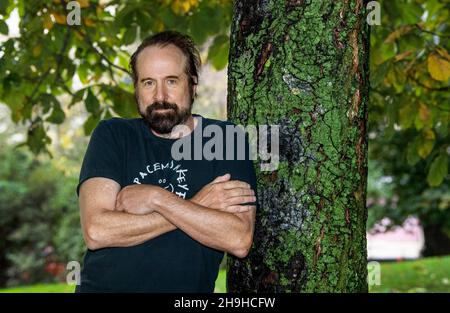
(171, 81)
(148, 83)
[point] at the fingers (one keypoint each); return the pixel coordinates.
(236, 192)
(240, 200)
(234, 184)
(239, 208)
(220, 179)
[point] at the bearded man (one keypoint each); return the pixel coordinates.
(153, 223)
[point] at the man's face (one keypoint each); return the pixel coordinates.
(162, 90)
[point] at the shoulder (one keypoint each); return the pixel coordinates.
(224, 124)
(117, 125)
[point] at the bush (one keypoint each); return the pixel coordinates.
(39, 220)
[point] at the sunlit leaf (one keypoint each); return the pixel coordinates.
(426, 143)
(438, 67)
(407, 115)
(398, 33)
(83, 3)
(59, 18)
(48, 23)
(402, 56)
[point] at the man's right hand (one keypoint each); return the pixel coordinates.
(226, 195)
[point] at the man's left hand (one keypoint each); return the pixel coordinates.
(135, 199)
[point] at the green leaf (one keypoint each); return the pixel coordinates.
(442, 126)
(92, 104)
(77, 97)
(58, 116)
(4, 28)
(83, 72)
(407, 114)
(438, 67)
(380, 73)
(3, 6)
(48, 101)
(124, 103)
(426, 145)
(37, 138)
(412, 157)
(129, 36)
(218, 52)
(438, 170)
(411, 13)
(90, 124)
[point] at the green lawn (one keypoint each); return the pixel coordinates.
(425, 275)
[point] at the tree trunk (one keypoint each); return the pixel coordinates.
(303, 65)
(437, 242)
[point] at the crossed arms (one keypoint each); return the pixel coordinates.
(215, 216)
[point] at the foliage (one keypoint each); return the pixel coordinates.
(410, 65)
(39, 219)
(409, 116)
(410, 71)
(42, 64)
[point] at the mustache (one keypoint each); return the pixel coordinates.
(162, 105)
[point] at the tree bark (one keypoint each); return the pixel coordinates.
(303, 65)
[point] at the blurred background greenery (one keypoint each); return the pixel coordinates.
(57, 81)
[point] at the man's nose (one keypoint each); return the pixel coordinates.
(161, 94)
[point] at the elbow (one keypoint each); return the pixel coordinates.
(241, 253)
(94, 238)
(243, 246)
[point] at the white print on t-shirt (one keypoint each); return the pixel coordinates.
(180, 187)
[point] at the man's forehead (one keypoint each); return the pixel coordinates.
(161, 60)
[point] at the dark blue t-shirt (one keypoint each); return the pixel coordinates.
(126, 151)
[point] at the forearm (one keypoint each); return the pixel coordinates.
(213, 228)
(119, 229)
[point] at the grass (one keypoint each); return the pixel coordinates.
(64, 288)
(41, 288)
(425, 275)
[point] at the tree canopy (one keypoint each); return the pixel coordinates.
(50, 55)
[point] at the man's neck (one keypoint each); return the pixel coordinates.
(190, 124)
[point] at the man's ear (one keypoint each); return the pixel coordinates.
(194, 91)
(194, 86)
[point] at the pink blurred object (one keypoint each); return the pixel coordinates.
(399, 243)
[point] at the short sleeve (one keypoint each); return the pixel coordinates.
(103, 156)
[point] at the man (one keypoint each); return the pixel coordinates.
(152, 223)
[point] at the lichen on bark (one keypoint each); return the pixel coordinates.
(303, 65)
